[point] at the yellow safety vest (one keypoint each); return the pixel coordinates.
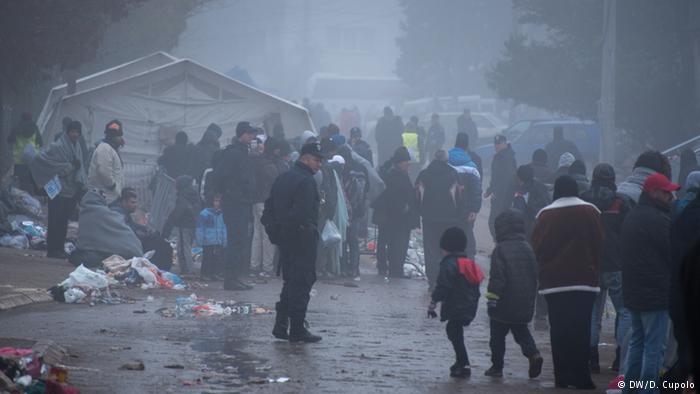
(410, 141)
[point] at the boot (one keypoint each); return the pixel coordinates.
(595, 365)
(281, 330)
(616, 362)
(535, 366)
(299, 333)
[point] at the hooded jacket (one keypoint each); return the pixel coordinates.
(614, 208)
(203, 153)
(457, 288)
(567, 241)
(106, 172)
(398, 200)
(469, 177)
(234, 175)
(513, 277)
(646, 256)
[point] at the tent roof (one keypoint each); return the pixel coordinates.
(116, 73)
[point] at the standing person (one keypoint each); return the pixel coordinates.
(234, 178)
(465, 124)
(458, 290)
(685, 229)
(64, 158)
(511, 293)
(559, 145)
(565, 162)
(359, 145)
(399, 209)
(503, 169)
(183, 217)
(646, 277)
(412, 137)
(567, 241)
(292, 212)
(469, 175)
(388, 134)
(689, 163)
(380, 218)
(211, 236)
(266, 171)
(26, 142)
(614, 208)
(530, 197)
(204, 150)
(577, 170)
(355, 178)
(328, 190)
(435, 139)
(539, 165)
(106, 172)
(177, 160)
(648, 163)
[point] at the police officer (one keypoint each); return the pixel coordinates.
(234, 178)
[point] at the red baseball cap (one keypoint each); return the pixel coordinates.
(659, 181)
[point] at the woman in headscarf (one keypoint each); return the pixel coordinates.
(567, 240)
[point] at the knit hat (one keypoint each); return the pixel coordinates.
(500, 139)
(114, 129)
(693, 180)
(216, 129)
(401, 154)
(306, 135)
(604, 173)
(565, 186)
(75, 125)
(453, 240)
(566, 160)
(245, 128)
(313, 149)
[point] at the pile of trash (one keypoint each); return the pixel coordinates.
(202, 307)
(24, 235)
(84, 285)
(414, 267)
(25, 371)
(18, 213)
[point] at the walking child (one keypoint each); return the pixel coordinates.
(511, 293)
(211, 236)
(183, 218)
(457, 289)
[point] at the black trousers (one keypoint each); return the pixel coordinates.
(455, 333)
(351, 254)
(382, 252)
(397, 248)
(570, 335)
(60, 210)
(212, 260)
(497, 342)
(299, 274)
(163, 256)
(432, 231)
(238, 218)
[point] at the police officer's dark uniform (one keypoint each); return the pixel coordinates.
(234, 178)
(294, 202)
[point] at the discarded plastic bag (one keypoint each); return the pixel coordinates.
(176, 280)
(85, 277)
(330, 234)
(116, 264)
(25, 203)
(143, 267)
(14, 241)
(74, 295)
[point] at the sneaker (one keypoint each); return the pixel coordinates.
(494, 372)
(535, 368)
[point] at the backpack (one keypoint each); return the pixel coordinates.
(356, 191)
(273, 228)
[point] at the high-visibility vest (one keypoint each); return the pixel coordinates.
(410, 141)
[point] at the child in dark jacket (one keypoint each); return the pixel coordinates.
(183, 217)
(457, 288)
(511, 293)
(211, 236)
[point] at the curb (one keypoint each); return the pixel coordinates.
(23, 297)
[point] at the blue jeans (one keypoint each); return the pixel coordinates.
(610, 284)
(646, 348)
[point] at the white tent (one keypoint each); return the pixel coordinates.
(176, 95)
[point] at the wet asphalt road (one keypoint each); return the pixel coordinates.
(376, 338)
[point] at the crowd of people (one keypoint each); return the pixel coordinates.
(264, 205)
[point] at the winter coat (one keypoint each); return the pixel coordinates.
(682, 202)
(186, 207)
(469, 178)
(503, 169)
(328, 190)
(203, 153)
(177, 160)
(633, 185)
(529, 201)
(513, 277)
(362, 148)
(434, 140)
(294, 204)
(614, 208)
(266, 171)
(457, 288)
(543, 173)
(388, 136)
(211, 229)
(685, 233)
(646, 256)
(557, 148)
(106, 172)
(234, 175)
(398, 202)
(567, 240)
(438, 193)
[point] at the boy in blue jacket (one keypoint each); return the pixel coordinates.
(457, 289)
(211, 236)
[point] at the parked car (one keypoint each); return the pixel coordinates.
(528, 135)
(488, 125)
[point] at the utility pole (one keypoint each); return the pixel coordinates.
(606, 111)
